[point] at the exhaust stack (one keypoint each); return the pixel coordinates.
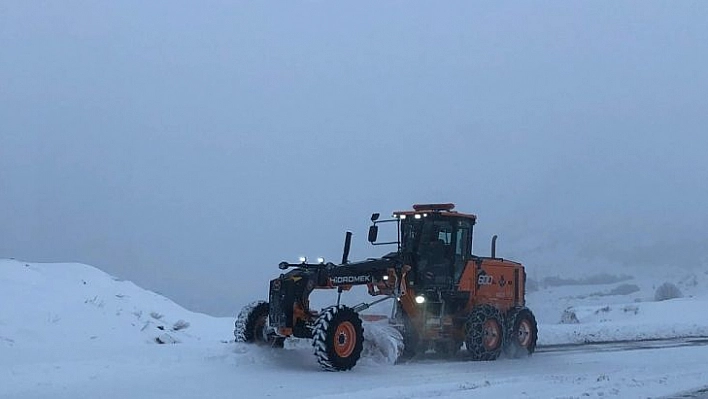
(347, 246)
(494, 246)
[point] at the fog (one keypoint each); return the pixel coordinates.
(191, 147)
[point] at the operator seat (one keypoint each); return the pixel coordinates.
(434, 265)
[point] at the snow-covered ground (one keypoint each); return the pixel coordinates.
(622, 310)
(72, 331)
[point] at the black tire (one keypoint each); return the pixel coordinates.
(251, 322)
(484, 333)
(522, 333)
(338, 338)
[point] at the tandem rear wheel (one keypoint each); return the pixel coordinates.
(484, 333)
(521, 334)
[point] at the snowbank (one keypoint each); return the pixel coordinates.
(620, 311)
(632, 321)
(70, 303)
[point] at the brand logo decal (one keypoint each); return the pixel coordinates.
(350, 280)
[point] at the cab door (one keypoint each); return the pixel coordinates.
(436, 254)
(463, 248)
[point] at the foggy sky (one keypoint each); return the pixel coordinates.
(191, 147)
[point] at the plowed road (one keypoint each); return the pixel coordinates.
(656, 368)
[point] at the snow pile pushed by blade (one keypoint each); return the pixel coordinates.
(383, 343)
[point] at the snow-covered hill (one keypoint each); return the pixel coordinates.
(61, 304)
(70, 330)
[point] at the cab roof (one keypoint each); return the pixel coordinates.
(444, 209)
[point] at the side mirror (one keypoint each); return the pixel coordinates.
(375, 217)
(373, 233)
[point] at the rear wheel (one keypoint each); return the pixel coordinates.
(338, 338)
(250, 325)
(484, 333)
(522, 334)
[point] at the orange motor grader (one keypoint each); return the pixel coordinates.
(443, 295)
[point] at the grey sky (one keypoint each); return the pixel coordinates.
(190, 147)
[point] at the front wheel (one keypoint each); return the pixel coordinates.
(250, 325)
(338, 338)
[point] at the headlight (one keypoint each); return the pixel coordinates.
(303, 259)
(320, 260)
(419, 299)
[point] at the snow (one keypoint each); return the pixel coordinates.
(68, 303)
(70, 330)
(602, 316)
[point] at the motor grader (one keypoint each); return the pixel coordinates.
(443, 296)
